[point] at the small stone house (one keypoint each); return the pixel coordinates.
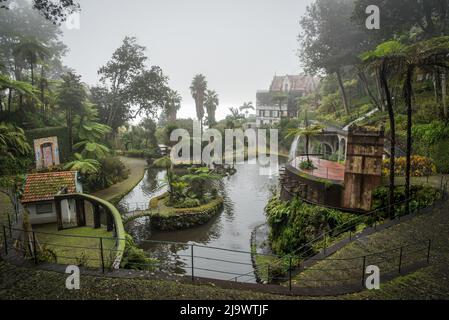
(40, 191)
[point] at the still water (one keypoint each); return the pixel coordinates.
(245, 196)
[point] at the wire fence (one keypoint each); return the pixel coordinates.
(199, 261)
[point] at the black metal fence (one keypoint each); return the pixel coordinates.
(199, 261)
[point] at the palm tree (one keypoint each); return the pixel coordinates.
(71, 97)
(246, 107)
(31, 51)
(173, 104)
(13, 141)
(211, 104)
(87, 124)
(432, 53)
(23, 88)
(387, 60)
(198, 90)
(84, 166)
(92, 150)
(308, 131)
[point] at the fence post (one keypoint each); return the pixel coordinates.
(290, 273)
(9, 225)
(428, 251)
(325, 243)
(101, 254)
(4, 240)
(400, 259)
(350, 235)
(193, 269)
(34, 248)
(363, 271)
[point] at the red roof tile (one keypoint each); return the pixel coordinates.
(44, 186)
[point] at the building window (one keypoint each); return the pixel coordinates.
(267, 113)
(45, 207)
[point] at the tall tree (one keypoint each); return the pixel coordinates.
(128, 87)
(211, 103)
(328, 40)
(71, 98)
(387, 60)
(172, 105)
(54, 11)
(198, 90)
(31, 51)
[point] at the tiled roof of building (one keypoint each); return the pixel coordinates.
(302, 83)
(44, 186)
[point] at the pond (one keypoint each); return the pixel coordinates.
(245, 195)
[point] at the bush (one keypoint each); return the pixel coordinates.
(135, 258)
(421, 196)
(187, 203)
(112, 171)
(306, 165)
(420, 166)
(12, 166)
(295, 223)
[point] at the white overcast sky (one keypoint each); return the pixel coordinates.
(237, 44)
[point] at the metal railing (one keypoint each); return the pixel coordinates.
(200, 261)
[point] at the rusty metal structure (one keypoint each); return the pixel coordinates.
(362, 175)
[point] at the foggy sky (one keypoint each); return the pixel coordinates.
(237, 44)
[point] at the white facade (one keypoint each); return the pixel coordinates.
(45, 211)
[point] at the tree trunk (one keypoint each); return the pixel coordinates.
(444, 93)
(342, 91)
(9, 100)
(389, 105)
(436, 86)
(379, 92)
(365, 84)
(408, 102)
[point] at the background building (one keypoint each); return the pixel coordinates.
(281, 100)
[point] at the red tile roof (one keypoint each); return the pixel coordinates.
(302, 83)
(44, 186)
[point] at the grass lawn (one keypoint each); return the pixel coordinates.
(6, 209)
(77, 245)
(434, 226)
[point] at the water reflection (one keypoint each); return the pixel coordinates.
(245, 196)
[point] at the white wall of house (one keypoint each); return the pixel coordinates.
(45, 211)
(41, 212)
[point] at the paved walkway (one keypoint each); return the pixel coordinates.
(115, 192)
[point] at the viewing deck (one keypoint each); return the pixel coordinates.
(323, 168)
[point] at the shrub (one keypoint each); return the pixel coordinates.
(421, 196)
(420, 166)
(306, 165)
(295, 223)
(135, 258)
(112, 170)
(187, 203)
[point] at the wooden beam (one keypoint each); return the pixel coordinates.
(97, 221)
